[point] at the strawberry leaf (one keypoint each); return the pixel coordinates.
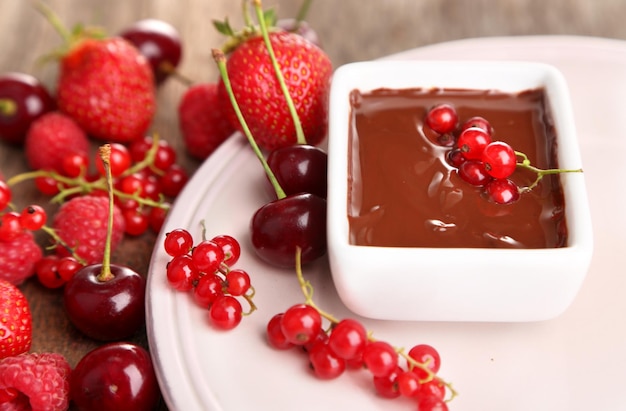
(224, 27)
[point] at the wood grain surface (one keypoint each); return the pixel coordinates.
(350, 30)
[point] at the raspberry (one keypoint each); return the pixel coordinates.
(51, 138)
(18, 257)
(82, 224)
(35, 382)
(202, 121)
(16, 327)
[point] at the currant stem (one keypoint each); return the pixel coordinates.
(300, 138)
(106, 274)
(59, 240)
(220, 59)
(525, 164)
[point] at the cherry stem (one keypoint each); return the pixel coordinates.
(220, 59)
(300, 138)
(307, 291)
(302, 12)
(7, 107)
(525, 163)
(106, 274)
(169, 68)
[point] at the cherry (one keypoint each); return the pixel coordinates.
(23, 99)
(115, 376)
(283, 225)
(106, 301)
(301, 28)
(442, 118)
(499, 159)
(159, 42)
(300, 168)
(472, 142)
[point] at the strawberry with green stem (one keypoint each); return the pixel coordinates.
(105, 84)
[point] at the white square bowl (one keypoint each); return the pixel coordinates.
(456, 284)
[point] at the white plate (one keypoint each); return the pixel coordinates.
(574, 362)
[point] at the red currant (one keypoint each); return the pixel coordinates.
(387, 386)
(325, 363)
(237, 282)
(479, 122)
(473, 172)
(119, 162)
(178, 242)
(47, 185)
(165, 156)
(10, 226)
(432, 403)
(274, 332)
(348, 339)
(207, 289)
(75, 164)
(502, 191)
(33, 217)
(181, 273)
(136, 221)
(47, 273)
(427, 355)
(207, 256)
(408, 384)
(472, 142)
(380, 358)
(225, 312)
(173, 181)
(442, 118)
(5, 195)
(157, 217)
(67, 267)
(499, 159)
(301, 323)
(230, 247)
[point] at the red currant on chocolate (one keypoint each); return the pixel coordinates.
(472, 142)
(499, 159)
(442, 118)
(479, 122)
(502, 191)
(473, 172)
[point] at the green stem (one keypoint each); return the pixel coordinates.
(55, 21)
(220, 59)
(300, 138)
(525, 164)
(106, 274)
(7, 107)
(59, 240)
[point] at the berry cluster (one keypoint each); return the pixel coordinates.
(346, 345)
(205, 270)
(480, 160)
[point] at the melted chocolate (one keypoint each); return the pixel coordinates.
(403, 193)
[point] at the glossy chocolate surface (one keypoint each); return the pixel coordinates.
(403, 192)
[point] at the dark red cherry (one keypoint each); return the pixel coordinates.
(280, 226)
(115, 376)
(159, 42)
(23, 99)
(301, 28)
(300, 168)
(105, 310)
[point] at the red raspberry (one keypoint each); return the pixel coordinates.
(16, 329)
(51, 138)
(35, 382)
(18, 258)
(202, 121)
(82, 224)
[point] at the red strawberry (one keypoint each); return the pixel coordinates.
(107, 86)
(18, 258)
(82, 224)
(15, 322)
(201, 118)
(307, 71)
(35, 382)
(51, 138)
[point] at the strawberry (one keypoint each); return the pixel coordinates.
(307, 71)
(82, 224)
(51, 138)
(107, 86)
(15, 321)
(35, 382)
(18, 258)
(201, 119)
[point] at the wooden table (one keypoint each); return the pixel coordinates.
(350, 30)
